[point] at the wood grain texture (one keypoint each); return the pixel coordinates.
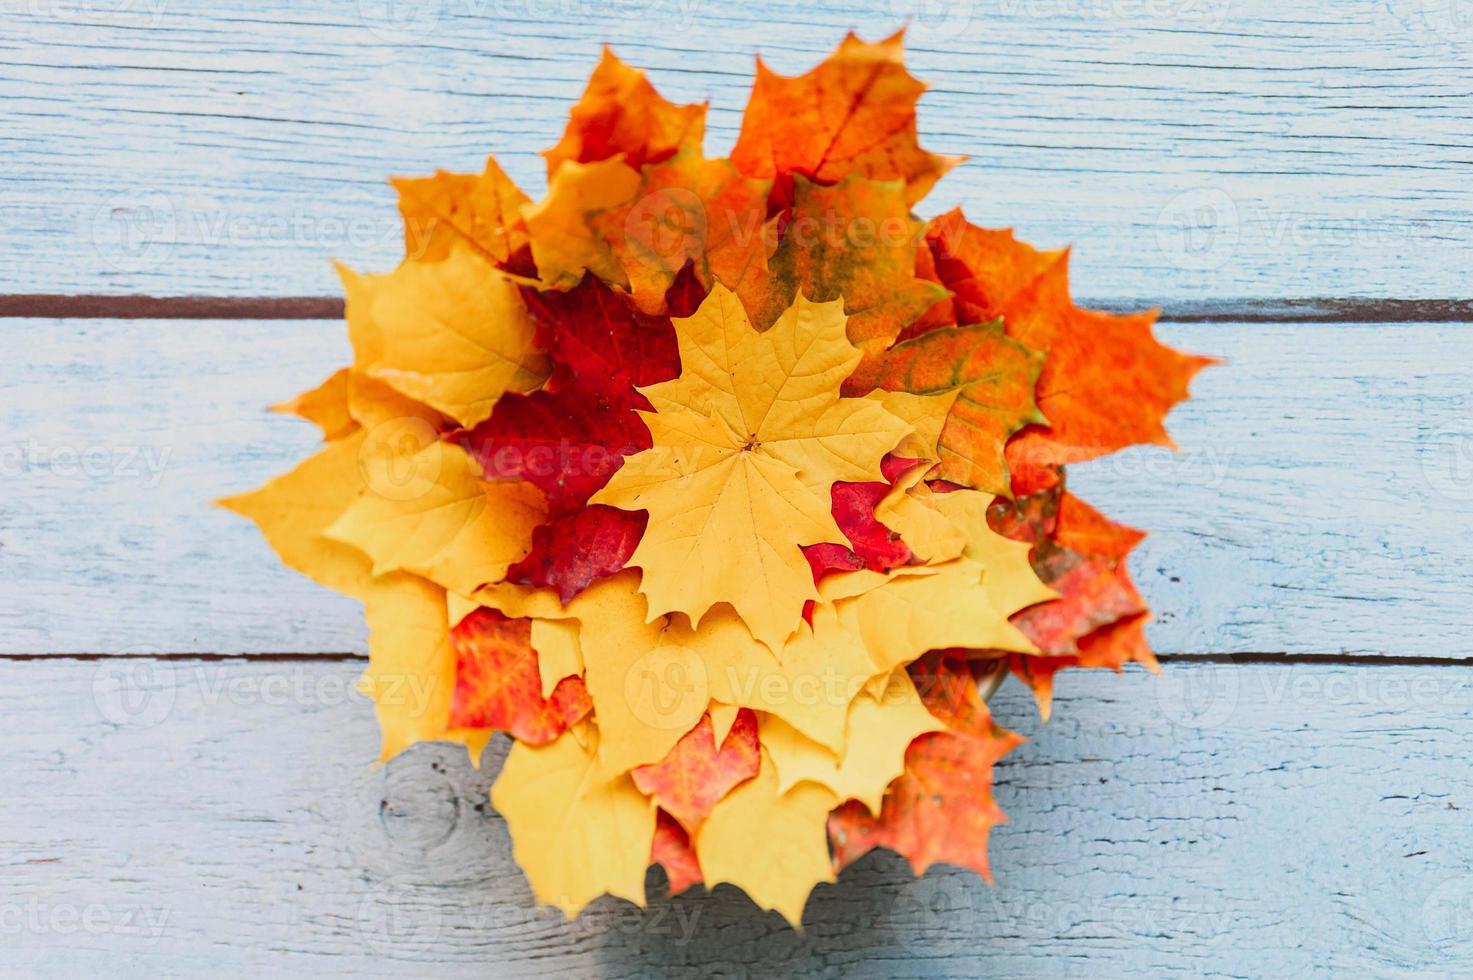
(1318, 506)
(1214, 822)
(1188, 148)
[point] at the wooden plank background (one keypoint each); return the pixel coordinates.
(1188, 148)
(189, 778)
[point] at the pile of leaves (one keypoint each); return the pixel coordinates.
(717, 484)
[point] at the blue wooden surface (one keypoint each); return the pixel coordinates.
(167, 813)
(1188, 148)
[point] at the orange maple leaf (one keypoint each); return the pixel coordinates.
(855, 241)
(853, 114)
(689, 209)
(621, 113)
(1099, 618)
(1106, 383)
(996, 375)
(484, 209)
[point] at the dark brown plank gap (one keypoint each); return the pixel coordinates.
(324, 657)
(1309, 310)
(172, 307)
(1286, 659)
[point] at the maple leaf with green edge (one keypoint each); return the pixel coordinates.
(694, 777)
(854, 241)
(498, 685)
(941, 808)
(1106, 382)
(996, 377)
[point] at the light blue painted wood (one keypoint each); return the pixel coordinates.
(1188, 148)
(1318, 506)
(1220, 821)
(1217, 822)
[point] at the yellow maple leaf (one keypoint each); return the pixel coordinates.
(939, 527)
(558, 652)
(458, 607)
(647, 680)
(522, 601)
(650, 681)
(911, 614)
(926, 415)
(295, 509)
(723, 716)
(576, 834)
(1008, 578)
(810, 683)
(907, 511)
(326, 406)
(432, 514)
(772, 845)
(880, 727)
(748, 442)
(453, 334)
(411, 666)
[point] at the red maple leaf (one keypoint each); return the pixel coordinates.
(872, 545)
(498, 685)
(695, 775)
(672, 850)
(573, 551)
(570, 436)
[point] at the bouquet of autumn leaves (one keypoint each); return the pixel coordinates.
(719, 484)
